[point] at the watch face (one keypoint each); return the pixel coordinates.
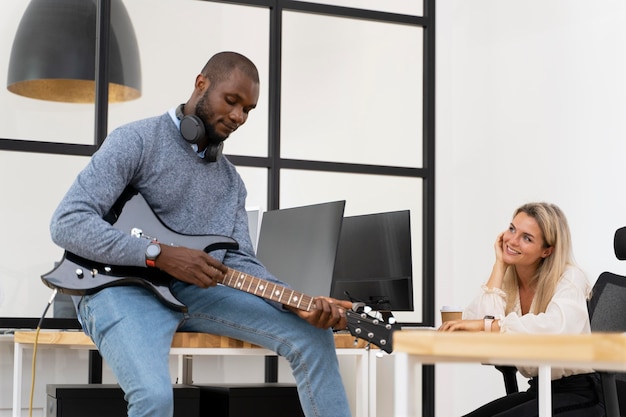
(153, 251)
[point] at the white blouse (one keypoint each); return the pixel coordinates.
(566, 313)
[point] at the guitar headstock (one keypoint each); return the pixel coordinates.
(370, 326)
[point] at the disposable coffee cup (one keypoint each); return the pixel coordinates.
(449, 313)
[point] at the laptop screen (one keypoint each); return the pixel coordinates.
(298, 245)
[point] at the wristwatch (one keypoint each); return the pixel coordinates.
(152, 252)
(488, 322)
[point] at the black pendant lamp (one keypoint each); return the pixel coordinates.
(54, 53)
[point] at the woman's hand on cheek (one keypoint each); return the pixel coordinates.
(499, 246)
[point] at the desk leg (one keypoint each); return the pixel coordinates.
(362, 384)
(362, 378)
(401, 384)
(185, 370)
(545, 391)
(17, 380)
(373, 363)
(95, 367)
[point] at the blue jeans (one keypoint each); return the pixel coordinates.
(133, 332)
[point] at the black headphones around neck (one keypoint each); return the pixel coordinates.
(192, 129)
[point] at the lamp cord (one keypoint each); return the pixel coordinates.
(32, 383)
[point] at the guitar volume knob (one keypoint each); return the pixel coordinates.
(79, 273)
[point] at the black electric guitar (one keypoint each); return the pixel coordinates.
(76, 275)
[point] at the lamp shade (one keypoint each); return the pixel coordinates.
(54, 53)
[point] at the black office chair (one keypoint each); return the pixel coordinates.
(607, 313)
(509, 374)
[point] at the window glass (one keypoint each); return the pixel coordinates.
(40, 182)
(31, 119)
(32, 187)
(169, 69)
(410, 7)
(364, 194)
(256, 184)
(351, 92)
(168, 65)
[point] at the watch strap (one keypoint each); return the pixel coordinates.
(488, 321)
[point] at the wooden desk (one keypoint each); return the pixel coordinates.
(185, 346)
(601, 351)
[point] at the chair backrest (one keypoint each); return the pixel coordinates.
(607, 306)
(607, 313)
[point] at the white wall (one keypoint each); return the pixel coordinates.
(531, 98)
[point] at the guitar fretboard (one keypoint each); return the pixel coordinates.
(268, 290)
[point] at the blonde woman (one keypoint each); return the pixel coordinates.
(536, 287)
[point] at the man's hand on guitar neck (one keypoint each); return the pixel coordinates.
(328, 313)
(191, 265)
(198, 268)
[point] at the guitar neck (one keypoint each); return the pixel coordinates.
(268, 290)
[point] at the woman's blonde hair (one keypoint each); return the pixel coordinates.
(556, 234)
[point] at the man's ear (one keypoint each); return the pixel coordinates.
(202, 82)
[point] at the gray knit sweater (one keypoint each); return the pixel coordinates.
(188, 194)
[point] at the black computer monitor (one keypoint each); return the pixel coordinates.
(298, 245)
(374, 263)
